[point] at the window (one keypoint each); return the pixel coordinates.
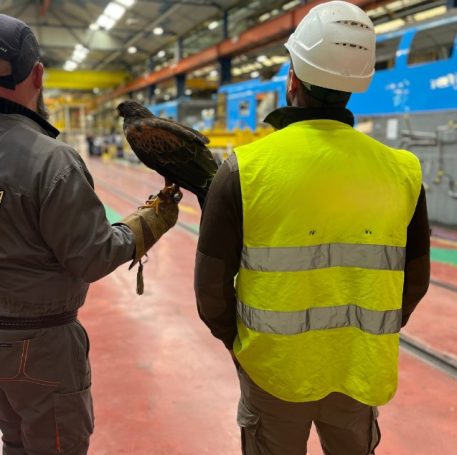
(385, 53)
(244, 108)
(433, 44)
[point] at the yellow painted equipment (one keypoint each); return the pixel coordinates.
(83, 80)
(221, 138)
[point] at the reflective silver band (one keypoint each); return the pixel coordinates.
(292, 259)
(294, 322)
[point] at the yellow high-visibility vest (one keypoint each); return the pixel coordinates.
(325, 216)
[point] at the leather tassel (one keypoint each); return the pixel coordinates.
(139, 279)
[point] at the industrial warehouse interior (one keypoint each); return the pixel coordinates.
(191, 90)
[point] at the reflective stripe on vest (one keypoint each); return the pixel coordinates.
(292, 259)
(294, 322)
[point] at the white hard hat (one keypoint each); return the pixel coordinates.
(334, 47)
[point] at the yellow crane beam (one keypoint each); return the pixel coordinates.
(82, 79)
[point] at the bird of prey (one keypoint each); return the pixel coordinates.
(175, 151)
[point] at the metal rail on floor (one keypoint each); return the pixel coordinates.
(447, 286)
(443, 362)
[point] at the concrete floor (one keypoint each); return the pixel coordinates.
(163, 385)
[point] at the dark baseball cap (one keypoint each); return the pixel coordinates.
(19, 47)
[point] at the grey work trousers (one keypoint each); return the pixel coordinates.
(45, 399)
(270, 426)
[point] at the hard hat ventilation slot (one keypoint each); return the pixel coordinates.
(354, 24)
(356, 46)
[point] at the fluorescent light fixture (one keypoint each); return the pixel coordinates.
(428, 14)
(126, 3)
(213, 25)
(70, 65)
(105, 22)
(290, 5)
(389, 26)
(158, 31)
(161, 54)
(132, 50)
(81, 48)
(255, 74)
(114, 11)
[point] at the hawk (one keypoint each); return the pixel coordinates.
(175, 151)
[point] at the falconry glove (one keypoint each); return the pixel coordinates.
(150, 221)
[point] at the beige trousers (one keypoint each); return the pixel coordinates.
(45, 399)
(270, 426)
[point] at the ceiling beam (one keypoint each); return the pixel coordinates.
(45, 5)
(203, 4)
(255, 37)
(58, 37)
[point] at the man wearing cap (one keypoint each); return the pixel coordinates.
(54, 240)
(325, 233)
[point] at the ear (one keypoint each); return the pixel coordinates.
(292, 82)
(37, 78)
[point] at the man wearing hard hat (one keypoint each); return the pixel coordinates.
(326, 232)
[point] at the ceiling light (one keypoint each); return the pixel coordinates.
(70, 65)
(126, 3)
(161, 54)
(262, 58)
(166, 97)
(106, 22)
(93, 27)
(114, 11)
(188, 92)
(236, 71)
(158, 31)
(290, 5)
(427, 14)
(389, 26)
(213, 73)
(81, 48)
(255, 74)
(213, 25)
(132, 50)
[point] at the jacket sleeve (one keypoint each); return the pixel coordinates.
(73, 223)
(218, 253)
(417, 265)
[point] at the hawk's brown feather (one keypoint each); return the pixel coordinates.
(175, 151)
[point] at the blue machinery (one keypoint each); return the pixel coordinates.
(402, 88)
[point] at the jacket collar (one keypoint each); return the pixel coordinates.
(284, 116)
(9, 107)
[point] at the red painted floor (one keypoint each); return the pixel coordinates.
(163, 385)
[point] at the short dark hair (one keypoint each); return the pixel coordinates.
(327, 96)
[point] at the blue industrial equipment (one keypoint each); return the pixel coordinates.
(416, 73)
